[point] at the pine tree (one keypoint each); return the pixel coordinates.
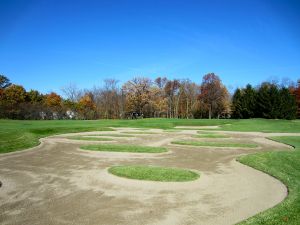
(236, 104)
(288, 105)
(248, 102)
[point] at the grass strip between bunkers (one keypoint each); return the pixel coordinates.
(111, 135)
(215, 144)
(124, 148)
(83, 138)
(285, 166)
(211, 136)
(137, 132)
(153, 173)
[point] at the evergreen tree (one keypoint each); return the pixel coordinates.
(263, 101)
(288, 105)
(236, 104)
(248, 102)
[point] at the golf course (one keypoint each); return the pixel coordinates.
(150, 171)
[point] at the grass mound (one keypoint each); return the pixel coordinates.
(124, 148)
(83, 138)
(215, 144)
(154, 173)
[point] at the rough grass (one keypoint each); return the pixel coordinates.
(90, 138)
(124, 148)
(154, 173)
(286, 167)
(215, 144)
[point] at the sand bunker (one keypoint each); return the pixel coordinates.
(57, 183)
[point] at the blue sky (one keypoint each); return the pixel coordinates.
(46, 45)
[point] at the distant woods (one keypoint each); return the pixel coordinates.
(143, 97)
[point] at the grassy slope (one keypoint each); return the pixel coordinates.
(154, 173)
(124, 148)
(286, 167)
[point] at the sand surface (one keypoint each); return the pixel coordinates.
(57, 183)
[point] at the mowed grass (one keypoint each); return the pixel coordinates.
(17, 135)
(124, 148)
(211, 136)
(214, 144)
(137, 132)
(152, 173)
(83, 138)
(20, 134)
(286, 167)
(111, 135)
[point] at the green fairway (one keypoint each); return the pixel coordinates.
(286, 167)
(215, 144)
(264, 125)
(90, 138)
(124, 148)
(154, 173)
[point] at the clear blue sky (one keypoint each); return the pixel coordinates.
(45, 45)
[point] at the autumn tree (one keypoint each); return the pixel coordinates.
(53, 100)
(188, 92)
(213, 95)
(137, 92)
(11, 97)
(34, 96)
(158, 97)
(172, 94)
(72, 92)
(87, 106)
(108, 99)
(4, 82)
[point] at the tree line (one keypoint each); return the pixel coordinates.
(142, 97)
